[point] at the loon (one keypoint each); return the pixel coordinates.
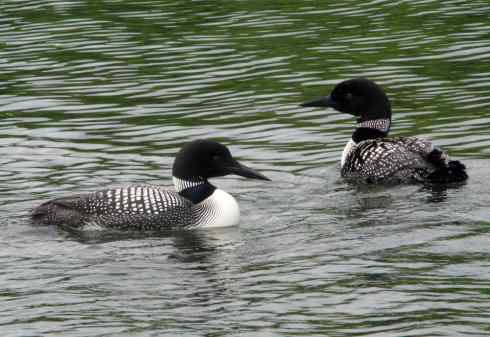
(371, 156)
(196, 202)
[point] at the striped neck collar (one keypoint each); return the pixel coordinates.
(372, 129)
(382, 125)
(183, 184)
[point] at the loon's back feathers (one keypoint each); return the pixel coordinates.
(400, 160)
(195, 203)
(386, 158)
(372, 156)
(130, 208)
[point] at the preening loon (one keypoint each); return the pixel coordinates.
(370, 155)
(196, 202)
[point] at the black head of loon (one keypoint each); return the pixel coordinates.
(364, 99)
(203, 159)
(200, 160)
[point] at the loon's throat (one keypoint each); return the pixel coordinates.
(193, 190)
(361, 134)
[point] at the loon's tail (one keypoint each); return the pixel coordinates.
(452, 172)
(40, 215)
(54, 212)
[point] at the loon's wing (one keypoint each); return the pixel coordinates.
(59, 211)
(132, 207)
(390, 158)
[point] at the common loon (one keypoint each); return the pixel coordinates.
(196, 202)
(370, 155)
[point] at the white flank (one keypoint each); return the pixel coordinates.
(348, 147)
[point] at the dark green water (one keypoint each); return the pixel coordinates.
(103, 93)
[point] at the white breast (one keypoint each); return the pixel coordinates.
(220, 209)
(348, 147)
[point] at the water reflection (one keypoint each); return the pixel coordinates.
(190, 245)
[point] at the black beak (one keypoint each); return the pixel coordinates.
(325, 101)
(244, 171)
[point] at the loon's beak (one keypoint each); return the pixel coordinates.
(245, 171)
(326, 101)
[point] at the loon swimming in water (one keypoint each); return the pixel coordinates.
(370, 155)
(196, 202)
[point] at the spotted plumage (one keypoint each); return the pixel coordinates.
(196, 202)
(389, 159)
(371, 155)
(133, 207)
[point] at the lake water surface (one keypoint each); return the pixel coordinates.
(103, 93)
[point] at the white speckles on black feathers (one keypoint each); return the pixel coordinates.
(134, 207)
(386, 159)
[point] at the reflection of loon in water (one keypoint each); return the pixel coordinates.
(372, 157)
(196, 203)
